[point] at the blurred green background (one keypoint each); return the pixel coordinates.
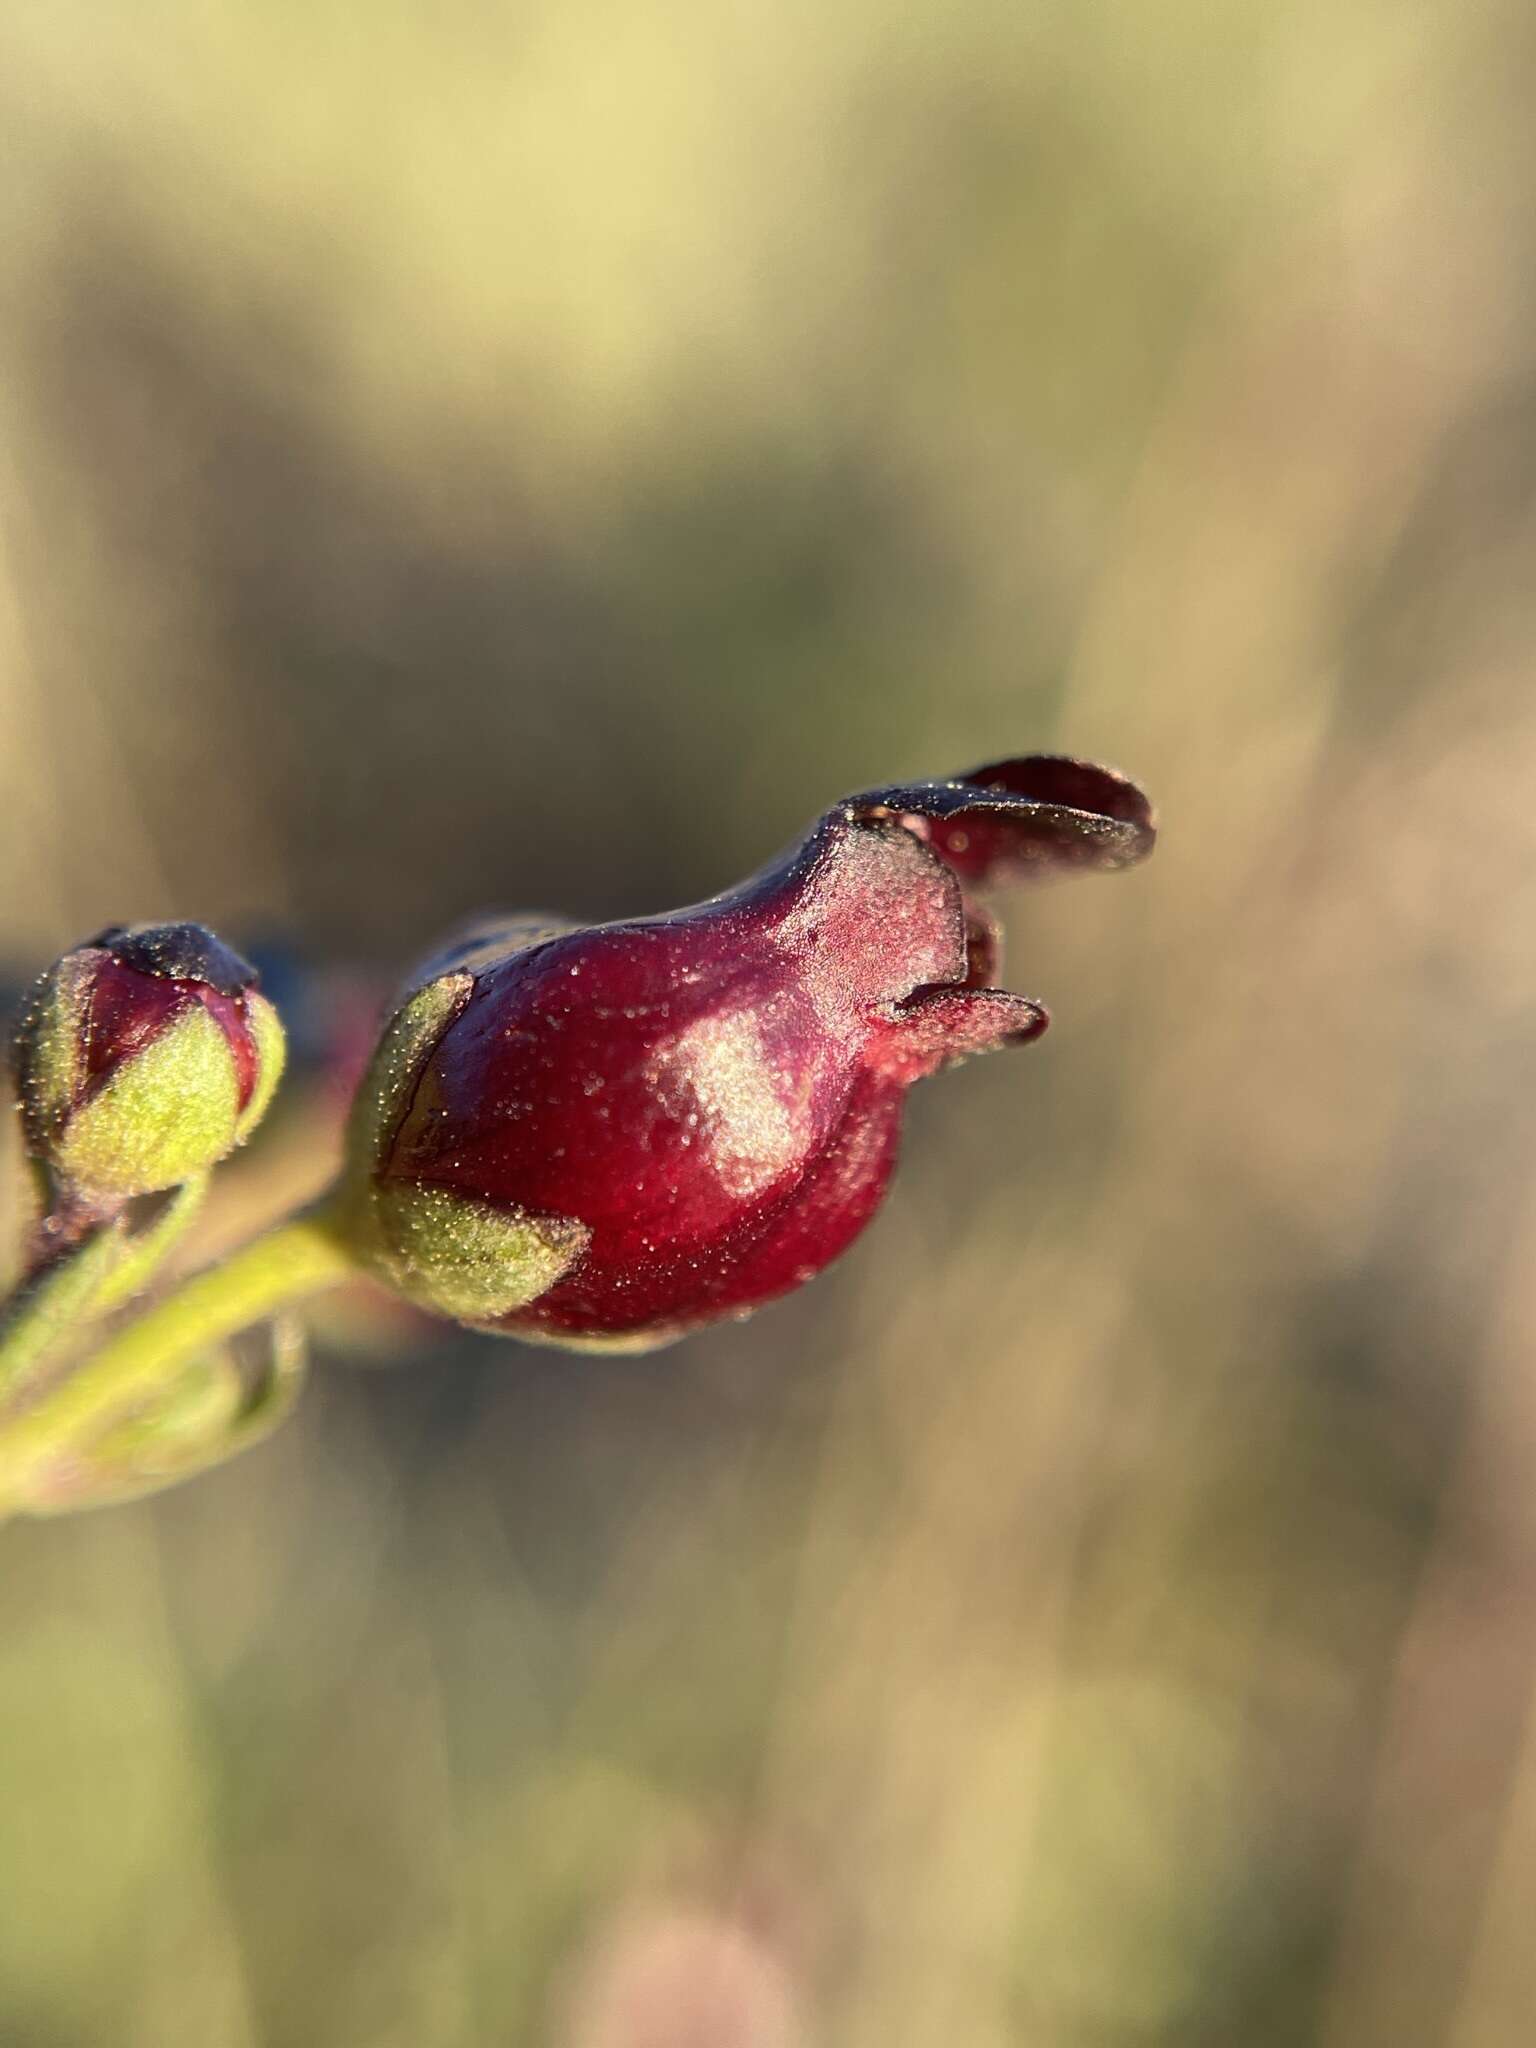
(540, 455)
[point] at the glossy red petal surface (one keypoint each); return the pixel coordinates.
(620, 1077)
(768, 1253)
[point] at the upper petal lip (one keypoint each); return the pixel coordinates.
(1021, 818)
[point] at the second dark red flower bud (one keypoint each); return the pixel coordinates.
(611, 1135)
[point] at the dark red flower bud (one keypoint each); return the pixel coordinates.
(618, 1133)
(143, 1057)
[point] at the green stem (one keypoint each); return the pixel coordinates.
(143, 1255)
(45, 1308)
(296, 1259)
(100, 1270)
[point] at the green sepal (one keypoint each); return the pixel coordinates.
(266, 1029)
(444, 1251)
(464, 1259)
(384, 1094)
(50, 1046)
(162, 1116)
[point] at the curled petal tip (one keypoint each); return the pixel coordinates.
(1076, 785)
(1024, 818)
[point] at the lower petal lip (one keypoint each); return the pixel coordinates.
(946, 1022)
